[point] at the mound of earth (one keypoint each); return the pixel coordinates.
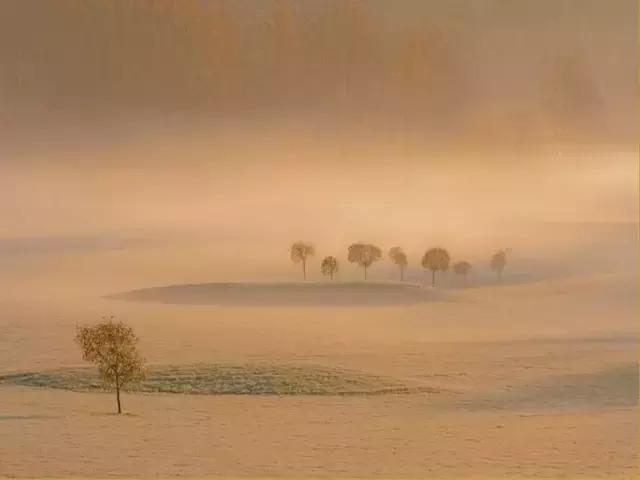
(218, 379)
(286, 294)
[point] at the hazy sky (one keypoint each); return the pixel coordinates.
(315, 118)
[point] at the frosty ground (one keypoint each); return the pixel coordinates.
(532, 379)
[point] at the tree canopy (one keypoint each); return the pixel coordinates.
(462, 268)
(436, 259)
(113, 347)
(498, 262)
(300, 252)
(329, 266)
(399, 258)
(364, 254)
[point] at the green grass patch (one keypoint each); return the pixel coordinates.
(224, 379)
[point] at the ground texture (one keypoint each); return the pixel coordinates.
(530, 380)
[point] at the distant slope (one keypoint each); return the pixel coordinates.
(286, 294)
(608, 290)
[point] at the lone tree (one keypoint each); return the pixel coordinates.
(462, 268)
(397, 256)
(113, 348)
(300, 252)
(364, 254)
(498, 262)
(436, 259)
(329, 266)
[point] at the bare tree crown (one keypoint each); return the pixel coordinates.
(436, 259)
(397, 256)
(499, 260)
(329, 266)
(300, 251)
(113, 347)
(462, 268)
(364, 254)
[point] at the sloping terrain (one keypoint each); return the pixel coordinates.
(499, 380)
(314, 294)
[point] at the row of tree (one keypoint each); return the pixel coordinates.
(436, 259)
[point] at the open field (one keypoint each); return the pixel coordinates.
(526, 380)
(347, 239)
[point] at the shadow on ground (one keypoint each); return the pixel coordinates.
(316, 294)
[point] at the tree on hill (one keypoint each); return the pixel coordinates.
(113, 347)
(398, 257)
(498, 262)
(364, 254)
(462, 268)
(329, 266)
(300, 252)
(436, 259)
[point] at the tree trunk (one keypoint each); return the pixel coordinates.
(365, 272)
(118, 398)
(433, 278)
(331, 275)
(401, 273)
(304, 269)
(499, 276)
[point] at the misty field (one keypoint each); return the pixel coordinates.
(523, 379)
(319, 239)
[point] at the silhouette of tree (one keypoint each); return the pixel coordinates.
(364, 254)
(300, 252)
(437, 260)
(329, 266)
(113, 348)
(498, 262)
(462, 268)
(398, 257)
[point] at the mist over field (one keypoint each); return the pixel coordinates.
(158, 159)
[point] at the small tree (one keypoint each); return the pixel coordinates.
(437, 260)
(462, 268)
(329, 266)
(498, 262)
(300, 252)
(364, 254)
(113, 348)
(398, 257)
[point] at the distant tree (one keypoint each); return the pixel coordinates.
(300, 252)
(329, 266)
(498, 262)
(113, 348)
(462, 268)
(398, 257)
(437, 260)
(364, 254)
